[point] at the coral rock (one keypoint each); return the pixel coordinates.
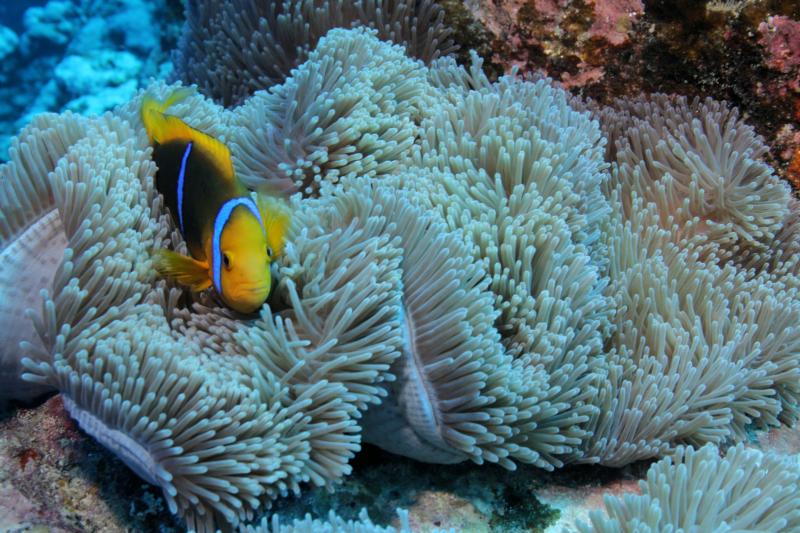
(78, 75)
(614, 20)
(780, 37)
(53, 477)
(50, 26)
(8, 42)
(744, 52)
(568, 39)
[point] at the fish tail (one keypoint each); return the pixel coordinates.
(181, 93)
(183, 269)
(152, 112)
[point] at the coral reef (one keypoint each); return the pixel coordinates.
(49, 26)
(53, 478)
(477, 270)
(81, 55)
(8, 42)
(743, 52)
(780, 37)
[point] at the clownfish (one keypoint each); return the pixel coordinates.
(232, 239)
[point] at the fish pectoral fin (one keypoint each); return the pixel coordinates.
(277, 217)
(185, 270)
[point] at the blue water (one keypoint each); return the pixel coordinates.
(79, 55)
(12, 11)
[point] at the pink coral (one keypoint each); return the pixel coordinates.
(550, 9)
(780, 38)
(567, 39)
(613, 19)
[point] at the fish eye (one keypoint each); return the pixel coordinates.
(226, 260)
(269, 252)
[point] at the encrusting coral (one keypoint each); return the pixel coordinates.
(465, 279)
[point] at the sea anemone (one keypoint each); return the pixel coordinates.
(702, 165)
(32, 238)
(334, 524)
(697, 490)
(349, 111)
(705, 337)
(231, 49)
(514, 169)
(464, 279)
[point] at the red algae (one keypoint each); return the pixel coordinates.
(26, 455)
(793, 171)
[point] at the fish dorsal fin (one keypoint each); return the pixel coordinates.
(163, 128)
(176, 129)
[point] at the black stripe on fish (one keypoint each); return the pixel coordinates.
(204, 191)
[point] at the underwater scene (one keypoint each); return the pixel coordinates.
(399, 266)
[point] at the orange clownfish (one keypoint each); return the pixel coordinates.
(231, 238)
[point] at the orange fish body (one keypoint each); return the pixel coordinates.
(232, 239)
